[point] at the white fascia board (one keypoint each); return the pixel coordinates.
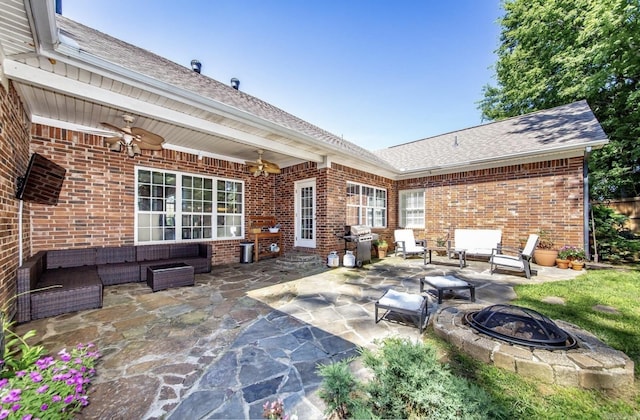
(30, 75)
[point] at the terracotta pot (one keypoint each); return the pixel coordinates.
(577, 265)
(564, 264)
(382, 252)
(545, 257)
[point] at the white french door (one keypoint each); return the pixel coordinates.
(305, 210)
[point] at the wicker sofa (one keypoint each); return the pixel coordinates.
(73, 279)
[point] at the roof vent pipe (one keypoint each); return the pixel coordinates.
(196, 66)
(235, 83)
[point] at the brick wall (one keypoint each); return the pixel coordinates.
(518, 199)
(96, 202)
(96, 205)
(14, 158)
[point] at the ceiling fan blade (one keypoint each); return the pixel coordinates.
(116, 147)
(113, 127)
(271, 167)
(111, 140)
(147, 136)
(146, 146)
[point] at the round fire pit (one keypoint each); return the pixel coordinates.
(518, 325)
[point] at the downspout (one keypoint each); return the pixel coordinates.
(586, 204)
(20, 233)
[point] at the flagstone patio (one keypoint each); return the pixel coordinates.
(247, 333)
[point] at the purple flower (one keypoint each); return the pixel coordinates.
(3, 382)
(45, 362)
(42, 389)
(12, 396)
(64, 356)
(35, 377)
(69, 399)
(20, 373)
(27, 417)
(4, 413)
(56, 398)
(44, 407)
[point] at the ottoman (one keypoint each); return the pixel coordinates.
(403, 303)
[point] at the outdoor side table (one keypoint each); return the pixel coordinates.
(160, 277)
(403, 303)
(446, 283)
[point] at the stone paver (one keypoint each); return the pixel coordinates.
(245, 334)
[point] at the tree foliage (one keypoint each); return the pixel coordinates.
(554, 52)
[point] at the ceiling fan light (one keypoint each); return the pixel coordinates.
(115, 147)
(266, 174)
(136, 149)
(256, 172)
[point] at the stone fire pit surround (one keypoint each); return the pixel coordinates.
(591, 365)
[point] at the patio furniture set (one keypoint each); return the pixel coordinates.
(60, 281)
(476, 242)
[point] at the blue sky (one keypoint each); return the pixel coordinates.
(378, 73)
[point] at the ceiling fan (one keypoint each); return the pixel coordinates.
(262, 167)
(132, 139)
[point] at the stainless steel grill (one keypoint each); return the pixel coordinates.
(362, 236)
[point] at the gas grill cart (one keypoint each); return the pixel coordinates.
(358, 238)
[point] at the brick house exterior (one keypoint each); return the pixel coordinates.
(519, 193)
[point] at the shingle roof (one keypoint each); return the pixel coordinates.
(572, 125)
(159, 68)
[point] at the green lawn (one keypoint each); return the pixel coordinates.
(619, 327)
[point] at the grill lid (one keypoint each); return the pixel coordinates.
(518, 325)
(357, 230)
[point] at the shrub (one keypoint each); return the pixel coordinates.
(408, 382)
(341, 391)
(615, 243)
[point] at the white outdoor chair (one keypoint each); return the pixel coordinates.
(519, 260)
(406, 244)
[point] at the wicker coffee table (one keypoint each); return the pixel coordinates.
(160, 277)
(446, 283)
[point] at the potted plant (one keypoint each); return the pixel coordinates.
(563, 257)
(575, 255)
(381, 246)
(545, 255)
(441, 243)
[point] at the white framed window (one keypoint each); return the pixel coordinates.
(366, 205)
(412, 212)
(177, 206)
